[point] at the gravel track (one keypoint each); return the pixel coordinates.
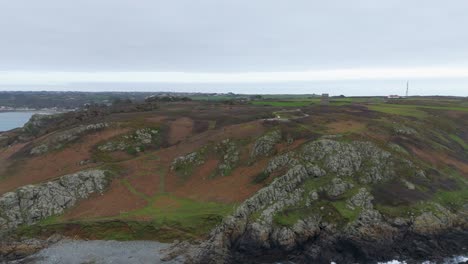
(99, 252)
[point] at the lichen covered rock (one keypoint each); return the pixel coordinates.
(265, 145)
(229, 156)
(337, 187)
(32, 203)
(133, 142)
(290, 217)
(59, 139)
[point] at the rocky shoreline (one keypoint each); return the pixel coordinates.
(295, 219)
(322, 202)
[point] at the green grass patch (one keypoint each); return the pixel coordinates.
(315, 183)
(283, 103)
(403, 110)
(174, 218)
(459, 141)
(108, 230)
(452, 199)
(134, 191)
(184, 214)
(291, 215)
(411, 210)
(212, 124)
(346, 212)
(412, 110)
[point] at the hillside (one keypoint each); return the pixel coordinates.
(356, 180)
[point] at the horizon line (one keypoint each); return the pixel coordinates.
(75, 77)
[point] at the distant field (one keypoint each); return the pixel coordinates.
(299, 102)
(415, 110)
(210, 98)
(284, 103)
(404, 110)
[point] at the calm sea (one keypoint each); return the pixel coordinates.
(10, 120)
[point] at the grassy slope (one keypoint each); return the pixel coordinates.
(168, 217)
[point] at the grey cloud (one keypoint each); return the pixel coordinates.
(229, 35)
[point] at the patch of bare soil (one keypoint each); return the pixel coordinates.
(116, 200)
(285, 147)
(155, 119)
(345, 126)
(54, 164)
(233, 188)
(150, 174)
(180, 129)
(146, 176)
(441, 159)
(5, 154)
(166, 202)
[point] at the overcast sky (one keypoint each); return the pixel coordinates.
(248, 46)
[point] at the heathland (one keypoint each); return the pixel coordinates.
(246, 179)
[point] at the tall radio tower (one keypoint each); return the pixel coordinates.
(407, 88)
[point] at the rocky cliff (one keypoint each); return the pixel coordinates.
(322, 209)
(32, 203)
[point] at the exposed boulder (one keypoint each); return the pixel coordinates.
(337, 187)
(229, 153)
(281, 161)
(39, 150)
(265, 145)
(404, 130)
(32, 203)
(288, 220)
(346, 159)
(39, 124)
(57, 140)
(363, 199)
(184, 165)
(433, 222)
(132, 142)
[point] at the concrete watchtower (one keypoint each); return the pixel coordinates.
(324, 100)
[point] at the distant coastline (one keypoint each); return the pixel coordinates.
(15, 118)
(43, 110)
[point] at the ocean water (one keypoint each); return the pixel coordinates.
(452, 260)
(10, 120)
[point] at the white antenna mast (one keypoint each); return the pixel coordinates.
(407, 88)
